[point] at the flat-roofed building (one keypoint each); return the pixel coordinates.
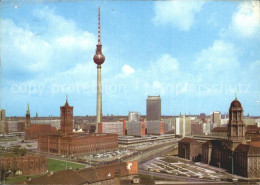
(117, 127)
(153, 108)
(155, 127)
(215, 117)
(135, 128)
(134, 116)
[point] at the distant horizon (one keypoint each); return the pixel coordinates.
(195, 59)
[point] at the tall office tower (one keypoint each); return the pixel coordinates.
(66, 114)
(2, 120)
(153, 108)
(99, 59)
(215, 117)
(28, 117)
(134, 116)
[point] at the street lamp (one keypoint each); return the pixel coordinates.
(232, 162)
(6, 173)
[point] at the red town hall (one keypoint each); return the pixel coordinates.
(69, 143)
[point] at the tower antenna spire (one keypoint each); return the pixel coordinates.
(236, 94)
(99, 37)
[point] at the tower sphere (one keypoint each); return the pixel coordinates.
(99, 58)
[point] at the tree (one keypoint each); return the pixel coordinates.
(23, 151)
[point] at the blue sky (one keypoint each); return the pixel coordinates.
(193, 54)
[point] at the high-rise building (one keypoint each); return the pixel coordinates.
(28, 117)
(99, 59)
(183, 126)
(215, 117)
(153, 108)
(155, 127)
(2, 120)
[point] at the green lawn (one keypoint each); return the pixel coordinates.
(56, 165)
(17, 179)
(5, 154)
(52, 165)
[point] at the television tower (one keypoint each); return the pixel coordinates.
(99, 59)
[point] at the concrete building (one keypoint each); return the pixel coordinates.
(134, 116)
(53, 122)
(155, 127)
(206, 128)
(11, 126)
(169, 125)
(153, 108)
(183, 125)
(215, 117)
(118, 127)
(99, 59)
(249, 121)
(135, 128)
(196, 128)
(2, 121)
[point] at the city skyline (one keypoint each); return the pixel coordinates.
(193, 59)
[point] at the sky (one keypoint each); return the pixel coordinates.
(194, 54)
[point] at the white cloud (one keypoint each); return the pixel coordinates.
(218, 57)
(179, 14)
(246, 21)
(127, 70)
(27, 54)
(166, 63)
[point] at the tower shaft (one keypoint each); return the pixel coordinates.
(99, 59)
(99, 96)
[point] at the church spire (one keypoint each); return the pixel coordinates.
(67, 103)
(28, 109)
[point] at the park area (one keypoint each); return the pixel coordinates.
(52, 165)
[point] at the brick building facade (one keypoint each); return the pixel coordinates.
(34, 131)
(28, 165)
(77, 144)
(69, 143)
